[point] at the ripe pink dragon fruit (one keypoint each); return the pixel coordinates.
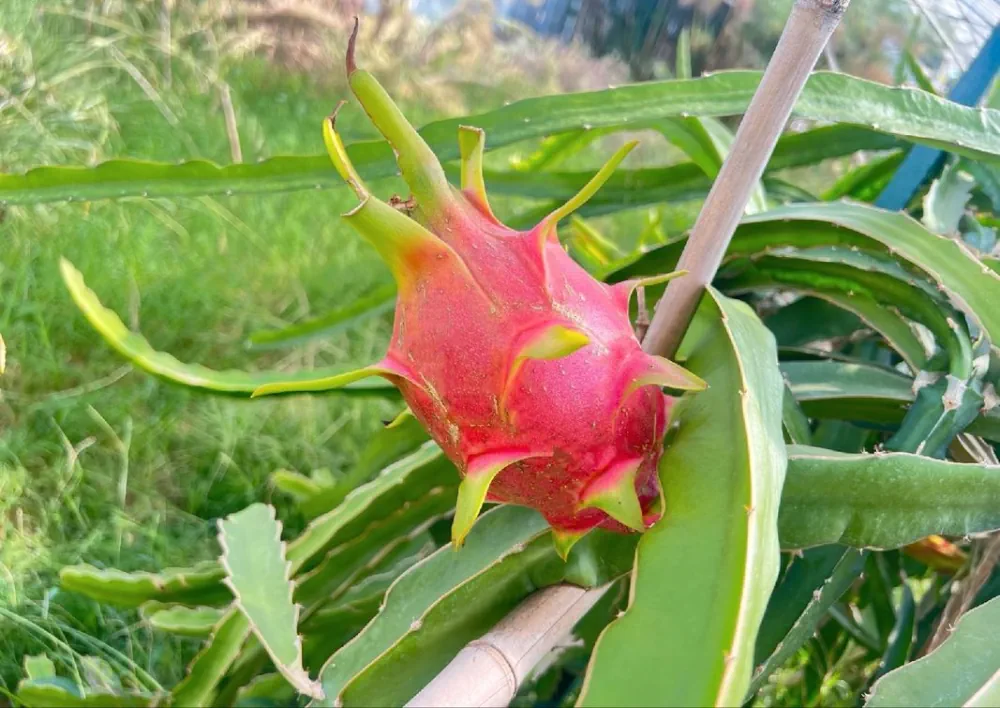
(523, 368)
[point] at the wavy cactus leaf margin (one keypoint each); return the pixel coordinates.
(259, 576)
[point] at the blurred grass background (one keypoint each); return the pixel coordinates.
(106, 465)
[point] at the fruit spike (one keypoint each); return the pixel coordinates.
(387, 368)
(522, 367)
(338, 154)
(565, 540)
(613, 492)
(651, 370)
(548, 340)
(471, 144)
(400, 418)
(622, 292)
(590, 189)
(479, 473)
(420, 167)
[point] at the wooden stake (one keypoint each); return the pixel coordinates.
(807, 31)
(489, 670)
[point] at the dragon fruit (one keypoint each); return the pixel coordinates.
(521, 366)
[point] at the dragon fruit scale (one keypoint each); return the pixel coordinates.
(522, 367)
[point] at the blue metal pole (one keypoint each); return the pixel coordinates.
(923, 161)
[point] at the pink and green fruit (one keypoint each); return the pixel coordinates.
(522, 367)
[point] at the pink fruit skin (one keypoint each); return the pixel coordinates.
(457, 331)
(522, 367)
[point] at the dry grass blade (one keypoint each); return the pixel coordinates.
(232, 131)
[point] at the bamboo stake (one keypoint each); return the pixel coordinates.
(489, 670)
(809, 27)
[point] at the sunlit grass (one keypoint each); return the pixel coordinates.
(103, 464)
(110, 466)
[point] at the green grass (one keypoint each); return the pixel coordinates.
(105, 465)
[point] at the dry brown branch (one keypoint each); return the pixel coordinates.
(965, 591)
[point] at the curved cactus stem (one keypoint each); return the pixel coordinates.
(589, 189)
(651, 370)
(480, 471)
(401, 418)
(405, 246)
(471, 145)
(613, 492)
(545, 341)
(338, 154)
(621, 292)
(387, 368)
(420, 167)
(565, 540)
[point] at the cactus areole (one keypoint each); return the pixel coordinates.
(523, 368)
